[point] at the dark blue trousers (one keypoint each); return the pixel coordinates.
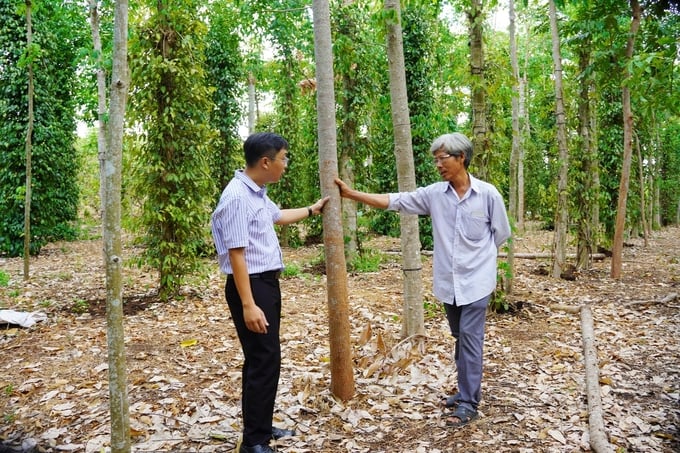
(262, 365)
(467, 327)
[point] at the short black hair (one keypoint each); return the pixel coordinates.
(262, 144)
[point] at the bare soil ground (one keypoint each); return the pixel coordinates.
(183, 359)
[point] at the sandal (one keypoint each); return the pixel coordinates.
(450, 402)
(464, 416)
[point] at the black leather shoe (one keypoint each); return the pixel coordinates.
(255, 449)
(278, 433)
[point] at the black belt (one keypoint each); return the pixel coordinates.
(269, 275)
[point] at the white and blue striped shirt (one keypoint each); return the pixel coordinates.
(245, 217)
(467, 232)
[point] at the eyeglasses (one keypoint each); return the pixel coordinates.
(285, 160)
(439, 159)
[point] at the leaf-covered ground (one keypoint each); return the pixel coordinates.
(184, 360)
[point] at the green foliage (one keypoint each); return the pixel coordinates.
(291, 270)
(226, 73)
(80, 306)
(669, 184)
(171, 174)
(432, 310)
(58, 33)
(367, 260)
(4, 278)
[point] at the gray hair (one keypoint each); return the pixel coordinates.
(455, 144)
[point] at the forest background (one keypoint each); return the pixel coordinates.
(204, 72)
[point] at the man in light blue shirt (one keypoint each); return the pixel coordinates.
(469, 224)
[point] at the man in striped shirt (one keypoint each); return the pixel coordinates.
(469, 224)
(249, 254)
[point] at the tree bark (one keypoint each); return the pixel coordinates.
(598, 436)
(617, 246)
(342, 377)
(113, 260)
(643, 208)
(479, 138)
(516, 141)
(101, 92)
(561, 211)
(348, 131)
(588, 195)
(29, 144)
(413, 316)
(251, 104)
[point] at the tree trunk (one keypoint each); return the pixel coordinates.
(643, 208)
(342, 378)
(598, 436)
(348, 131)
(101, 92)
(516, 140)
(413, 317)
(561, 211)
(656, 181)
(617, 246)
(251, 104)
(525, 132)
(479, 139)
(113, 260)
(587, 196)
(29, 144)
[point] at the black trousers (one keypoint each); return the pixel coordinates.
(262, 365)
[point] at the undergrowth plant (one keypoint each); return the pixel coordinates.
(4, 278)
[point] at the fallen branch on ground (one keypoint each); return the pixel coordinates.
(664, 300)
(598, 437)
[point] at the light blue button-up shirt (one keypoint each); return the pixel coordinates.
(467, 232)
(245, 217)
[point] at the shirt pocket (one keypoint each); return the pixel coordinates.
(475, 225)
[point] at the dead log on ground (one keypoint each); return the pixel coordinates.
(598, 437)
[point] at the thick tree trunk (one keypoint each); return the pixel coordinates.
(342, 377)
(561, 211)
(413, 317)
(479, 138)
(29, 145)
(617, 246)
(113, 260)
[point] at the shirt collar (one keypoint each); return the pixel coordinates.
(474, 184)
(249, 183)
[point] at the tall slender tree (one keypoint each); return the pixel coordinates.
(172, 165)
(413, 320)
(29, 142)
(562, 209)
(617, 247)
(113, 250)
(342, 378)
(516, 139)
